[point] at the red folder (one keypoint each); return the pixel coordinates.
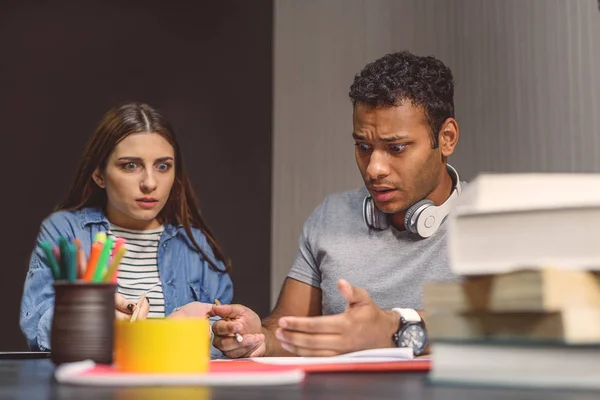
(418, 364)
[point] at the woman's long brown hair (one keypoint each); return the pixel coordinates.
(181, 207)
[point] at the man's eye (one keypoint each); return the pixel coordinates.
(397, 148)
(363, 147)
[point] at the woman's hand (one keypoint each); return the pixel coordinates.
(125, 308)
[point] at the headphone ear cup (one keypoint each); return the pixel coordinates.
(367, 213)
(411, 215)
(373, 217)
(381, 219)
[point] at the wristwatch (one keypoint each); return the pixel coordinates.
(411, 332)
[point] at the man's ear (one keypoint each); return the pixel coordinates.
(448, 137)
(98, 178)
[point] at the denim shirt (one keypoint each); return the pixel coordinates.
(185, 275)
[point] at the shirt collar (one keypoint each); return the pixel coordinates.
(92, 215)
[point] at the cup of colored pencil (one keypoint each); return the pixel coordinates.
(67, 261)
(84, 302)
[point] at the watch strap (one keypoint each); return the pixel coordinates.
(409, 314)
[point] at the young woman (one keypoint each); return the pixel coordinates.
(131, 183)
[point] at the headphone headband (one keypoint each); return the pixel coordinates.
(445, 208)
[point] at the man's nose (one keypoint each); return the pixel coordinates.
(378, 165)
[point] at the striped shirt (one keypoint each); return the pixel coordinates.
(138, 271)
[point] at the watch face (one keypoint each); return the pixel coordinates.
(413, 336)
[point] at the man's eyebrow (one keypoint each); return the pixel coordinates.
(388, 139)
(394, 138)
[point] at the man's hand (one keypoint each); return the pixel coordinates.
(362, 326)
(238, 319)
(193, 309)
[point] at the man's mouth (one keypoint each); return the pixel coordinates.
(383, 193)
(382, 189)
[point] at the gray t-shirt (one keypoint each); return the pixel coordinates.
(391, 265)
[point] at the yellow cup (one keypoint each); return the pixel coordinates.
(179, 345)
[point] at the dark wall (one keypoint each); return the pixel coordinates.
(206, 65)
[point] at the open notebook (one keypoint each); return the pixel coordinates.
(363, 356)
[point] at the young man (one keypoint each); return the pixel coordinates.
(404, 131)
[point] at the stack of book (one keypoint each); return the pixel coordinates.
(526, 311)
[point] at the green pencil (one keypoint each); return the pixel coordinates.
(71, 262)
(103, 261)
(64, 256)
(50, 259)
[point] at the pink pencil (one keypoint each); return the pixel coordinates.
(56, 252)
(120, 242)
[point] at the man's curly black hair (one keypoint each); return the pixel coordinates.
(402, 76)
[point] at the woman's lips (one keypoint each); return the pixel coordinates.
(147, 203)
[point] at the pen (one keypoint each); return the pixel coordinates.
(238, 337)
(137, 310)
(142, 298)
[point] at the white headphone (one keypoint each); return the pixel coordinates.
(422, 218)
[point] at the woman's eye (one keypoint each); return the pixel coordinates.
(130, 166)
(162, 167)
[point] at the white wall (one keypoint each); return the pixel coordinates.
(527, 92)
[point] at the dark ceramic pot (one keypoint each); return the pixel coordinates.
(83, 324)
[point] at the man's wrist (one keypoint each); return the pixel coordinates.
(392, 326)
(264, 329)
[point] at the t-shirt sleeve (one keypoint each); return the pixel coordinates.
(306, 267)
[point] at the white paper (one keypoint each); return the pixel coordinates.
(363, 356)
